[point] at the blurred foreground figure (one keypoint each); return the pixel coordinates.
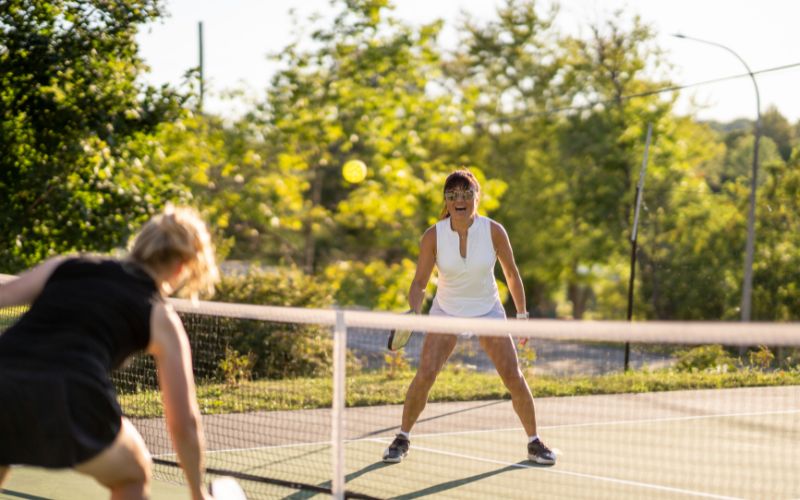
(87, 316)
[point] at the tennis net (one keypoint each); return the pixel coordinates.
(299, 402)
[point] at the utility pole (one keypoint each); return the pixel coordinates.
(747, 281)
(200, 64)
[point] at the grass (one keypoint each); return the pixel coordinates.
(379, 388)
(455, 383)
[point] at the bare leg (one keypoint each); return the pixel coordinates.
(503, 354)
(436, 348)
(4, 469)
(123, 467)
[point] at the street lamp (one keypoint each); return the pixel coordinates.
(747, 284)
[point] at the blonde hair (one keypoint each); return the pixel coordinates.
(461, 178)
(178, 235)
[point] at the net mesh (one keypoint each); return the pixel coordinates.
(708, 409)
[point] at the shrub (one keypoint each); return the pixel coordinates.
(278, 350)
(396, 363)
(705, 357)
(762, 358)
(527, 357)
(236, 368)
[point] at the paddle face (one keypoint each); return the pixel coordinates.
(400, 337)
(226, 488)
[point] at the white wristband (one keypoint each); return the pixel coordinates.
(522, 315)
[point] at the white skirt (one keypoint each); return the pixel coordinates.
(496, 312)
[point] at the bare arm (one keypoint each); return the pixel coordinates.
(505, 255)
(169, 346)
(425, 263)
(24, 290)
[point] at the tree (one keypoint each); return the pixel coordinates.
(566, 138)
(366, 89)
(510, 68)
(691, 235)
(738, 162)
(69, 105)
(775, 126)
(776, 269)
(602, 145)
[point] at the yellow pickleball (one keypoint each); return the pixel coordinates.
(354, 171)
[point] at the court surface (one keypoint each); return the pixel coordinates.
(729, 443)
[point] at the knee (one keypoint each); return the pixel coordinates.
(139, 481)
(426, 376)
(513, 379)
(140, 469)
(145, 472)
(141, 465)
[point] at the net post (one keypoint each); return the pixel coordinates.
(634, 234)
(337, 407)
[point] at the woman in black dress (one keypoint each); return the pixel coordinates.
(86, 316)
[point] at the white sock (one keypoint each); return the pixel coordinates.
(533, 438)
(405, 435)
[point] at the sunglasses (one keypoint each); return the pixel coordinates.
(466, 195)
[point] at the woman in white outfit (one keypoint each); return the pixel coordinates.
(464, 246)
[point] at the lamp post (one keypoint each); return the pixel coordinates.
(747, 283)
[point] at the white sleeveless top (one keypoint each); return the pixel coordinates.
(466, 285)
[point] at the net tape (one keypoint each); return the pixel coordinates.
(672, 332)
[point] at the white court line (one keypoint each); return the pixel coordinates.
(509, 429)
(270, 447)
(582, 475)
(279, 446)
(619, 422)
(550, 470)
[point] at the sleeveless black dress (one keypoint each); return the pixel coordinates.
(58, 407)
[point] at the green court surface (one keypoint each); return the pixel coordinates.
(34, 484)
(731, 443)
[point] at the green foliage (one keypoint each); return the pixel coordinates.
(70, 103)
(775, 126)
(691, 237)
(235, 367)
(776, 269)
(705, 358)
(249, 202)
(738, 161)
(761, 358)
(544, 119)
(278, 350)
(396, 364)
(527, 357)
(374, 285)
(363, 88)
(570, 175)
(372, 389)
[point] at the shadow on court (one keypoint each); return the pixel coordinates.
(292, 458)
(19, 494)
(300, 495)
(448, 485)
(477, 407)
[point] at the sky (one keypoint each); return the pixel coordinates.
(239, 34)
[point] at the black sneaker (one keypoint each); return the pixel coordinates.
(396, 451)
(538, 452)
